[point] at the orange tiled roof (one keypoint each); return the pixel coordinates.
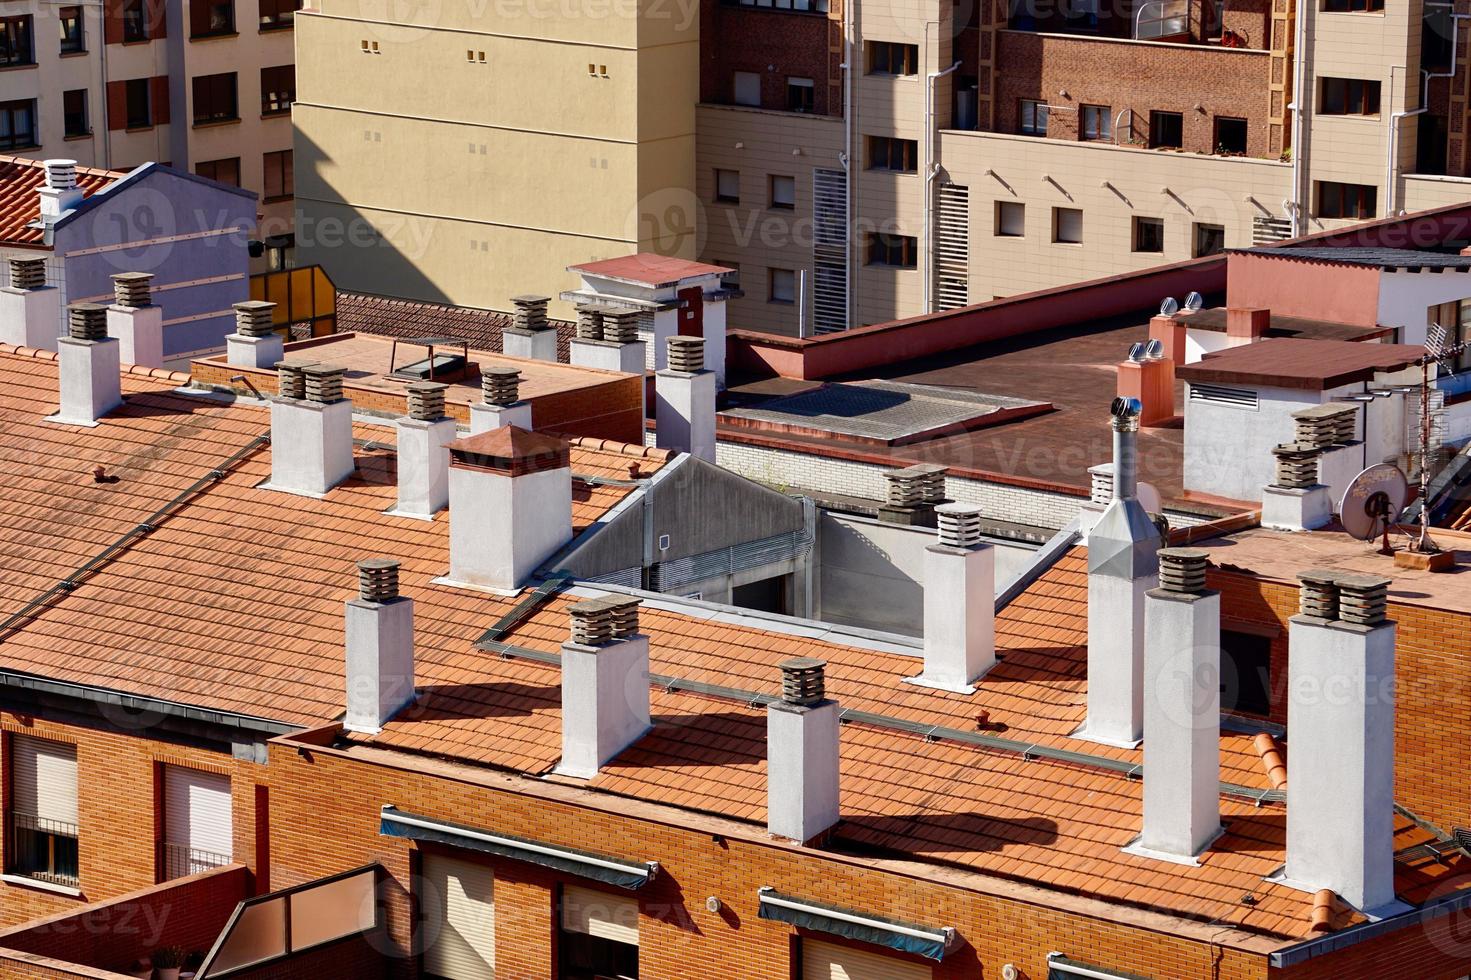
(20, 178)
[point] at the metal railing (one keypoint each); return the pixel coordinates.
(45, 850)
(181, 860)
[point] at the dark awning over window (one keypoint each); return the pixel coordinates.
(599, 867)
(1060, 967)
(907, 937)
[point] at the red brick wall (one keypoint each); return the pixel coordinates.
(734, 38)
(358, 958)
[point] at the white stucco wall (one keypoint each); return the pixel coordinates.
(1405, 297)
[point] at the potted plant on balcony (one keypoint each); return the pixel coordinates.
(166, 962)
(141, 968)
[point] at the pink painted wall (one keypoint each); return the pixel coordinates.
(1297, 287)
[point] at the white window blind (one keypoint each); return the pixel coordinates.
(459, 906)
(43, 779)
(828, 961)
(198, 815)
(601, 914)
(747, 88)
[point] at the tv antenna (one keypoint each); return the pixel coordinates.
(1438, 350)
(1371, 503)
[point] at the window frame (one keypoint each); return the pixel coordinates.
(804, 104)
(1352, 6)
(10, 109)
(270, 107)
(771, 291)
(1219, 146)
(771, 195)
(1033, 116)
(720, 196)
(1332, 200)
(18, 41)
(17, 863)
(1002, 208)
(735, 88)
(275, 158)
(893, 251)
(1195, 237)
(1057, 216)
(1155, 233)
(205, 11)
(1231, 657)
(882, 60)
(1350, 97)
(209, 84)
(78, 35)
(66, 115)
(130, 87)
(1095, 123)
(883, 151)
(214, 168)
(281, 19)
(134, 17)
(1159, 116)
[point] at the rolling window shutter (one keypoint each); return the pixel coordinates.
(112, 21)
(43, 779)
(156, 12)
(159, 94)
(459, 904)
(198, 17)
(827, 961)
(117, 105)
(600, 914)
(197, 811)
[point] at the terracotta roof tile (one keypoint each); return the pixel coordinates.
(20, 179)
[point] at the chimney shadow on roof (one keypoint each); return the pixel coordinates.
(714, 738)
(1262, 832)
(461, 702)
(945, 833)
(162, 403)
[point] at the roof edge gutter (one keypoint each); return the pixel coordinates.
(1353, 936)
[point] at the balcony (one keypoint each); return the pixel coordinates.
(1169, 21)
(181, 860)
(42, 850)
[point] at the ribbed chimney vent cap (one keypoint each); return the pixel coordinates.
(378, 579)
(1363, 599)
(959, 525)
(132, 289)
(86, 321)
(1182, 570)
(426, 400)
(606, 619)
(686, 354)
(253, 318)
(802, 680)
(27, 273)
(1318, 594)
(500, 385)
(60, 174)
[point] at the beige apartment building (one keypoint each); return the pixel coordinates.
(200, 85)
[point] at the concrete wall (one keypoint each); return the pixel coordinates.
(1405, 299)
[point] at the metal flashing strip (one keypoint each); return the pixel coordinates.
(138, 703)
(905, 937)
(1421, 918)
(1044, 559)
(624, 874)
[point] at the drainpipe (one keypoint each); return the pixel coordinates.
(931, 170)
(1391, 168)
(1300, 100)
(849, 26)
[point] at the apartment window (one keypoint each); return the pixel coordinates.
(1149, 235)
(1033, 118)
(197, 822)
(457, 901)
(15, 41)
(135, 21)
(783, 192)
(801, 94)
(900, 251)
(214, 98)
(892, 58)
(139, 105)
(1209, 239)
(728, 186)
(1166, 129)
(1230, 135)
(279, 182)
(1095, 122)
(598, 938)
(18, 125)
(74, 112)
(41, 820)
(1349, 97)
(277, 89)
(225, 171)
(1353, 6)
(783, 288)
(803, 6)
(747, 88)
(1011, 219)
(1246, 673)
(209, 18)
(890, 153)
(1067, 226)
(277, 15)
(1337, 200)
(72, 39)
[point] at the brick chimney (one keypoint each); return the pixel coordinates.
(530, 336)
(60, 193)
(802, 779)
(959, 602)
(500, 403)
(510, 505)
(255, 342)
(311, 430)
(605, 684)
(135, 321)
(30, 310)
(1246, 325)
(1151, 382)
(684, 396)
(380, 648)
(423, 460)
(89, 364)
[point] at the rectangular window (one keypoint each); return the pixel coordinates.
(1337, 200)
(72, 38)
(140, 109)
(74, 112)
(801, 94)
(1246, 673)
(41, 819)
(1149, 235)
(731, 279)
(783, 192)
(458, 905)
(1095, 122)
(1209, 240)
(1067, 226)
(214, 98)
(598, 937)
(16, 47)
(728, 186)
(899, 251)
(1230, 135)
(225, 171)
(747, 88)
(1349, 97)
(278, 15)
(210, 18)
(892, 58)
(1166, 129)
(891, 153)
(1033, 120)
(18, 125)
(1011, 219)
(783, 287)
(279, 182)
(1353, 6)
(135, 21)
(197, 823)
(277, 89)
(804, 6)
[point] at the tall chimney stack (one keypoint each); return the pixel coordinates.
(30, 310)
(60, 192)
(89, 363)
(684, 396)
(255, 342)
(1182, 711)
(135, 321)
(605, 684)
(311, 430)
(530, 336)
(1340, 722)
(510, 496)
(380, 648)
(1122, 567)
(500, 403)
(959, 602)
(1295, 500)
(423, 460)
(802, 781)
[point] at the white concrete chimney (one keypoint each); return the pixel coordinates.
(29, 309)
(255, 343)
(1182, 711)
(423, 460)
(1295, 500)
(607, 339)
(311, 430)
(60, 192)
(684, 395)
(89, 363)
(802, 781)
(530, 336)
(380, 648)
(959, 603)
(510, 504)
(1340, 729)
(605, 684)
(501, 403)
(1121, 567)
(135, 321)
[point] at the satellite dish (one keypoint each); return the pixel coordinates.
(1155, 349)
(1149, 498)
(1136, 352)
(1194, 301)
(1169, 307)
(1373, 501)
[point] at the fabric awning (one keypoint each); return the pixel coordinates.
(1060, 967)
(931, 941)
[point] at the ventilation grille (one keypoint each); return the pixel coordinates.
(829, 251)
(952, 247)
(1265, 231)
(1221, 395)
